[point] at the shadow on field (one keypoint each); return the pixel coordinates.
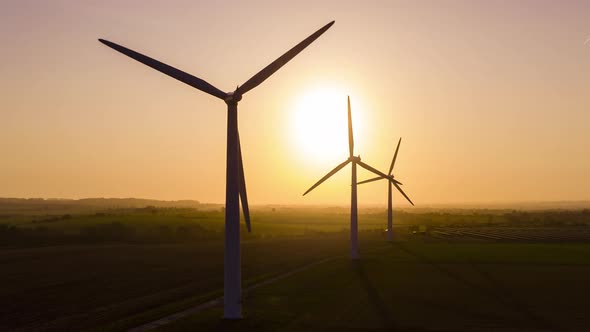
(496, 292)
(380, 307)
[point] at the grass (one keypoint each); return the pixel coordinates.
(110, 282)
(82, 287)
(412, 286)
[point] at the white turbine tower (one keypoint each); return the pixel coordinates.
(391, 181)
(235, 189)
(354, 251)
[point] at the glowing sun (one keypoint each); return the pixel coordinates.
(319, 124)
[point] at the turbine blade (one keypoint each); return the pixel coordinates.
(265, 73)
(242, 184)
(371, 180)
(189, 79)
(371, 169)
(396, 181)
(403, 193)
(394, 156)
(332, 172)
(350, 137)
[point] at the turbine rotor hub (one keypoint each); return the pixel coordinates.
(233, 97)
(355, 158)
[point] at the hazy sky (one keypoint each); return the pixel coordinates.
(492, 99)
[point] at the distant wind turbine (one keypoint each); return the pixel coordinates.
(391, 182)
(354, 252)
(235, 184)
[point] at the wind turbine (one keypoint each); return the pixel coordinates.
(235, 184)
(391, 181)
(354, 252)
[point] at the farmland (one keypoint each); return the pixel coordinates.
(516, 234)
(413, 286)
(116, 266)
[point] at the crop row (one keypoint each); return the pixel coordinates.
(516, 234)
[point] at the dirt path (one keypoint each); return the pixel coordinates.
(219, 301)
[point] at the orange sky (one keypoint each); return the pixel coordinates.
(492, 100)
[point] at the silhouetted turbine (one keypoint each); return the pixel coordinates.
(354, 253)
(235, 189)
(391, 182)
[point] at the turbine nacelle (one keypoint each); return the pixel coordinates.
(355, 159)
(233, 97)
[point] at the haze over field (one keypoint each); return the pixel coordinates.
(491, 99)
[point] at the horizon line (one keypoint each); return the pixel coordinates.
(466, 204)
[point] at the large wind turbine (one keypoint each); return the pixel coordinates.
(235, 185)
(354, 252)
(391, 181)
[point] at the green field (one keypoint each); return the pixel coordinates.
(412, 286)
(67, 267)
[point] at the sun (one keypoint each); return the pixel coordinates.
(319, 125)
